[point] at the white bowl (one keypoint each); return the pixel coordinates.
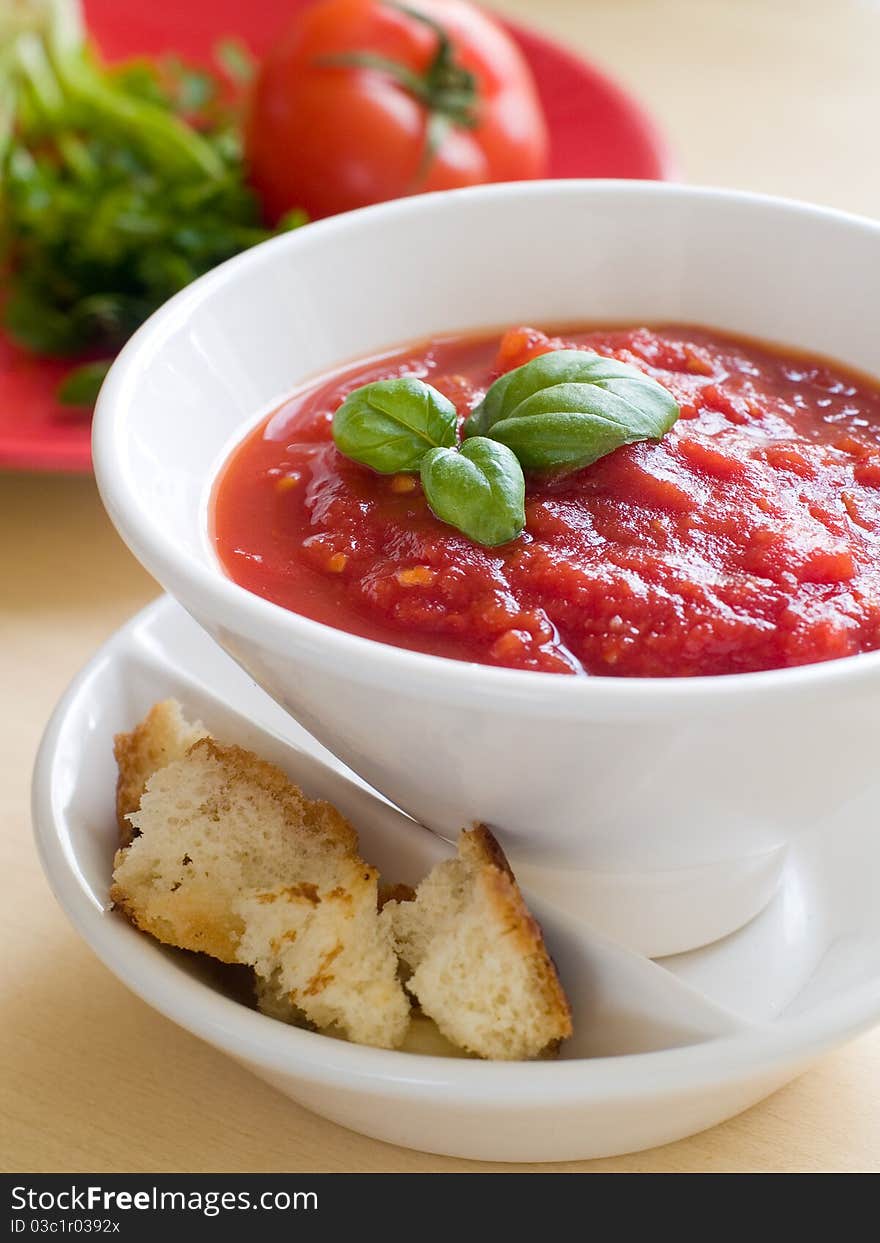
(663, 807)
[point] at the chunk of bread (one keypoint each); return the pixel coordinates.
(232, 860)
(211, 826)
(162, 736)
(329, 954)
(222, 854)
(479, 966)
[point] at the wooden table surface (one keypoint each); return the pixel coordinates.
(774, 95)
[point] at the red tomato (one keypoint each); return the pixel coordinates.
(361, 101)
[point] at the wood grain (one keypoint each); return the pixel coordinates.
(781, 97)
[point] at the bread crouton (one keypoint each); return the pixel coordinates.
(329, 954)
(215, 824)
(223, 855)
(234, 861)
(479, 967)
(162, 736)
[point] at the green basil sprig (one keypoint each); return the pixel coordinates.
(568, 408)
(479, 488)
(391, 424)
(561, 411)
(404, 425)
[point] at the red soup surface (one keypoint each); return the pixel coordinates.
(748, 538)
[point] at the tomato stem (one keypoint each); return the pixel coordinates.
(446, 88)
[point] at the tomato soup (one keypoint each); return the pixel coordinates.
(748, 538)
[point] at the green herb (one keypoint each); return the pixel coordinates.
(568, 408)
(563, 410)
(80, 387)
(118, 186)
(237, 61)
(391, 424)
(478, 488)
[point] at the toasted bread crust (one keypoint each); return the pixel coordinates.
(162, 736)
(503, 894)
(479, 845)
(469, 913)
(182, 924)
(318, 817)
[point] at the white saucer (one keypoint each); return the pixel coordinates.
(660, 1052)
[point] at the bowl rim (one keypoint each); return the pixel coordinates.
(373, 662)
(151, 972)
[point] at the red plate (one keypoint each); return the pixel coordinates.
(596, 129)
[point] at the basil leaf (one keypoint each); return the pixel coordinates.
(391, 424)
(479, 489)
(571, 407)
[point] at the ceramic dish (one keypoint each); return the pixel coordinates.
(659, 1051)
(662, 806)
